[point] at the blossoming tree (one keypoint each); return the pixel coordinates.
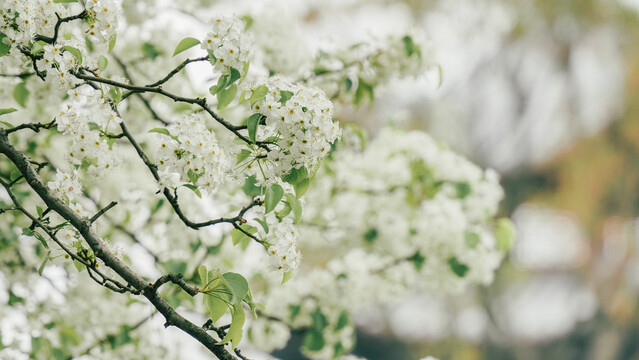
(239, 198)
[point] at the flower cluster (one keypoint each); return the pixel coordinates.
(22, 20)
(353, 73)
(87, 119)
(424, 220)
(65, 186)
(285, 257)
(298, 121)
(229, 46)
(105, 18)
(187, 152)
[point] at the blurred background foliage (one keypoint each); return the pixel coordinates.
(552, 102)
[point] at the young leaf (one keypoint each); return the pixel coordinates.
(244, 153)
(458, 268)
(505, 234)
(296, 206)
(44, 262)
(112, 40)
(20, 94)
(238, 284)
(4, 48)
(235, 75)
(471, 239)
(194, 189)
(313, 340)
(75, 52)
(363, 89)
(273, 196)
(40, 211)
(7, 111)
(185, 44)
(251, 123)
(160, 131)
(342, 321)
(285, 95)
(238, 236)
(225, 96)
(234, 334)
(301, 187)
(263, 223)
(287, 276)
(258, 95)
(215, 307)
(295, 176)
(202, 272)
(65, 1)
(102, 63)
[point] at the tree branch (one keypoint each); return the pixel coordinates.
(56, 28)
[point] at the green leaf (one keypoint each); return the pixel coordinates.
(21, 94)
(284, 212)
(225, 96)
(363, 89)
(7, 124)
(471, 239)
(296, 206)
(342, 321)
(251, 123)
(112, 41)
(38, 47)
(93, 126)
(215, 307)
(235, 75)
(410, 47)
(285, 96)
(505, 233)
(287, 276)
(301, 187)
(75, 52)
(221, 84)
(116, 94)
(248, 20)
(44, 262)
(250, 188)
(458, 268)
(418, 260)
(4, 48)
(295, 310)
(102, 63)
(39, 211)
(41, 239)
(65, 1)
(319, 320)
(244, 153)
(295, 176)
(258, 94)
(150, 51)
(273, 196)
(463, 189)
(185, 44)
(313, 341)
(78, 265)
(163, 131)
(263, 223)
(203, 274)
(194, 189)
(371, 235)
(234, 334)
(238, 284)
(238, 236)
